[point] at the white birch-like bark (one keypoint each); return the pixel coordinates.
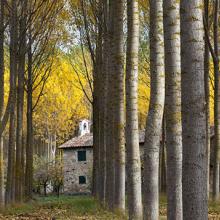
(194, 182)
(173, 108)
(119, 113)
(155, 114)
(132, 134)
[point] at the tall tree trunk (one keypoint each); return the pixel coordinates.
(193, 112)
(12, 128)
(1, 100)
(119, 107)
(101, 100)
(215, 192)
(23, 158)
(155, 114)
(96, 135)
(173, 108)
(1, 58)
(9, 193)
(20, 104)
(162, 164)
(103, 39)
(207, 93)
(2, 185)
(105, 84)
(132, 132)
(110, 145)
(29, 146)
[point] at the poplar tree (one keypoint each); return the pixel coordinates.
(173, 108)
(13, 25)
(2, 93)
(132, 131)
(119, 110)
(195, 204)
(155, 114)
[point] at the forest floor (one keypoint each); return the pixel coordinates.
(75, 208)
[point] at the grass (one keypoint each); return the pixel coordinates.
(65, 207)
(77, 208)
(214, 210)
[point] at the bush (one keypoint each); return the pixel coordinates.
(47, 173)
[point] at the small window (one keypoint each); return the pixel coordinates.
(82, 180)
(85, 126)
(82, 155)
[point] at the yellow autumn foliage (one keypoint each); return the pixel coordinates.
(62, 104)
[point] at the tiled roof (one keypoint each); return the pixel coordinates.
(87, 141)
(81, 141)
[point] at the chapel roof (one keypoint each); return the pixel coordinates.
(87, 141)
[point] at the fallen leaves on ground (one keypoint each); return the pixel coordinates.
(76, 208)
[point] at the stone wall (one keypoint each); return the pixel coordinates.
(74, 168)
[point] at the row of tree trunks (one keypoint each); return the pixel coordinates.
(45, 147)
(20, 103)
(187, 148)
(10, 184)
(214, 49)
(19, 18)
(109, 110)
